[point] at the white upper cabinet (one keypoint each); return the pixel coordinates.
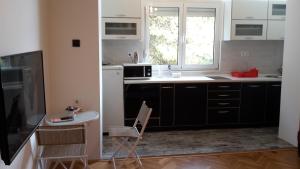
(254, 19)
(121, 28)
(277, 9)
(249, 9)
(249, 30)
(121, 8)
(276, 30)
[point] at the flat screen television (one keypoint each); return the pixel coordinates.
(22, 101)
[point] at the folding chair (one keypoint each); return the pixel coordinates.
(128, 137)
(60, 144)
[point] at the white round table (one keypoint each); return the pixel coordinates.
(79, 118)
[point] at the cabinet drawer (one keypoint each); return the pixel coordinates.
(254, 86)
(223, 115)
(224, 86)
(223, 94)
(223, 103)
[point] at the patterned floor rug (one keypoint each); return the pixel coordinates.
(203, 141)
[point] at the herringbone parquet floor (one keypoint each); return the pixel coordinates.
(276, 159)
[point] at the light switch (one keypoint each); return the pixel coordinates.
(76, 43)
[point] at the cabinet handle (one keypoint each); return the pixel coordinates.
(248, 38)
(223, 86)
(121, 37)
(120, 15)
(277, 85)
(254, 86)
(167, 87)
(223, 112)
(191, 87)
(249, 17)
(223, 95)
(223, 104)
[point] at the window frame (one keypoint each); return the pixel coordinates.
(183, 6)
(147, 35)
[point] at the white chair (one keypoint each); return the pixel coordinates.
(128, 137)
(60, 144)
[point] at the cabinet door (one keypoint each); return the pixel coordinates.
(135, 94)
(253, 103)
(273, 103)
(249, 9)
(113, 102)
(275, 30)
(167, 105)
(121, 28)
(121, 8)
(249, 29)
(190, 104)
(277, 9)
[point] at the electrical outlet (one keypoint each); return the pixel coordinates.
(245, 53)
(76, 43)
(129, 54)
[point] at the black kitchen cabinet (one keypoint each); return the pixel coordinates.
(190, 104)
(134, 95)
(167, 105)
(253, 103)
(273, 103)
(198, 105)
(223, 103)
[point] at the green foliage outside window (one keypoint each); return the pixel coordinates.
(163, 39)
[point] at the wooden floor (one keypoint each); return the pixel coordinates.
(277, 159)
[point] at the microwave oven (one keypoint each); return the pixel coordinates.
(137, 71)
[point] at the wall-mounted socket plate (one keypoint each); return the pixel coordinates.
(245, 53)
(76, 43)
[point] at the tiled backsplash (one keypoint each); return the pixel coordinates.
(116, 51)
(235, 55)
(242, 55)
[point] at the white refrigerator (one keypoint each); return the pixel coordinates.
(113, 100)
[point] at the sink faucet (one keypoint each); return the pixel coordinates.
(169, 70)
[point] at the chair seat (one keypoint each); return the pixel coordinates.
(63, 151)
(124, 131)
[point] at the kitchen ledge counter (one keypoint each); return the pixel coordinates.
(202, 79)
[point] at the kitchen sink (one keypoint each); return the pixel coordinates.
(218, 77)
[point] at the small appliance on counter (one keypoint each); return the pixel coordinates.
(137, 71)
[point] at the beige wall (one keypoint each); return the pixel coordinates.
(21, 31)
(70, 73)
(74, 72)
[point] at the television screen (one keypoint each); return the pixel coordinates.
(22, 101)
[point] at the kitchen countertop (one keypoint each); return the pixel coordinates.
(202, 79)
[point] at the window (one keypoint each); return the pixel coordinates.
(164, 35)
(184, 35)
